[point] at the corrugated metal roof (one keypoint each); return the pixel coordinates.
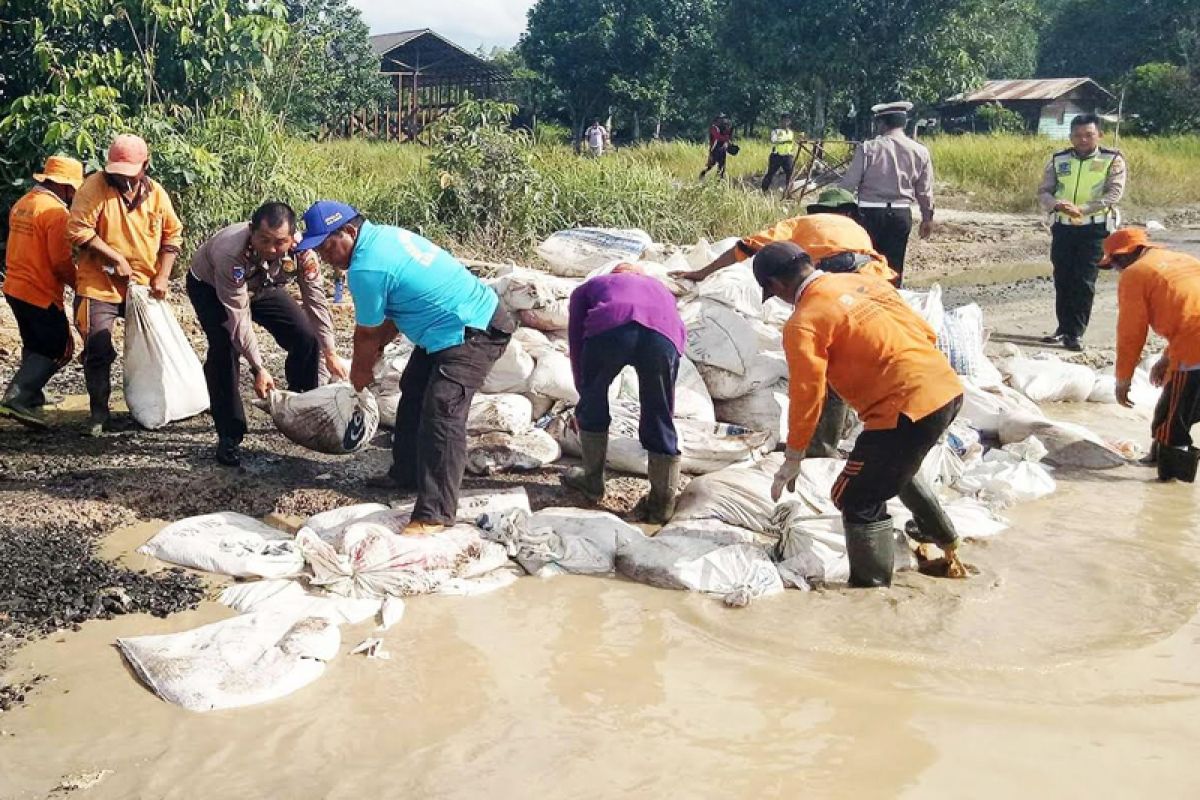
(1033, 89)
(389, 41)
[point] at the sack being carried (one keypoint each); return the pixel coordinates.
(333, 419)
(164, 381)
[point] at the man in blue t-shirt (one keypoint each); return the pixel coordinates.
(403, 283)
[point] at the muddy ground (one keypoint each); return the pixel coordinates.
(60, 493)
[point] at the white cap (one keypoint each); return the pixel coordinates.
(898, 107)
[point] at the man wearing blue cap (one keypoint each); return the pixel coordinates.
(403, 283)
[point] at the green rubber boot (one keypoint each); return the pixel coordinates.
(930, 523)
(589, 480)
(659, 505)
(870, 548)
(20, 399)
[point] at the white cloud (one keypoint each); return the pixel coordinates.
(468, 23)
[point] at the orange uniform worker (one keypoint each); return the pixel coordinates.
(39, 266)
(126, 230)
(1160, 289)
(857, 334)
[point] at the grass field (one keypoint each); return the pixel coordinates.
(655, 186)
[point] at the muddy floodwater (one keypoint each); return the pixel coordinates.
(1069, 667)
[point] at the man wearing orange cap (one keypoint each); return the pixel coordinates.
(1160, 289)
(39, 267)
(126, 230)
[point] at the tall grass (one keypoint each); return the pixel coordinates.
(1002, 173)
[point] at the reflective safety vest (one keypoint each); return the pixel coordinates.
(1081, 181)
(784, 140)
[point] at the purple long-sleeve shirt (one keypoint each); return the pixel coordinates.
(610, 301)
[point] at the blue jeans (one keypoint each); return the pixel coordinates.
(656, 362)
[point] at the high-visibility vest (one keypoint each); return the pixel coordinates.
(1081, 181)
(784, 140)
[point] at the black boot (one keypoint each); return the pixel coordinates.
(589, 480)
(1151, 458)
(20, 399)
(229, 452)
(930, 523)
(1178, 463)
(663, 471)
(871, 549)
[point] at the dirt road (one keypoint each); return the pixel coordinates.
(1061, 639)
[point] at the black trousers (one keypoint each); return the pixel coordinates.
(275, 310)
(778, 162)
(1178, 410)
(95, 320)
(884, 462)
(44, 331)
(429, 443)
(889, 229)
(716, 158)
(656, 362)
(1075, 252)
(828, 434)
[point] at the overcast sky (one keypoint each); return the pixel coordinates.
(468, 23)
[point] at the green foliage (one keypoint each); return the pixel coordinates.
(998, 119)
(489, 187)
(331, 69)
(1164, 99)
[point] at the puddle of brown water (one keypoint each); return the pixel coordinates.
(1066, 669)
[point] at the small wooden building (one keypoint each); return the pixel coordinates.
(430, 75)
(1047, 105)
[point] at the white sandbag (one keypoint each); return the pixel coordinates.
(741, 495)
(561, 540)
(1067, 444)
(553, 377)
(499, 413)
(373, 560)
(961, 338)
(706, 447)
(327, 524)
(511, 371)
(576, 252)
(770, 338)
(928, 304)
(542, 405)
(474, 505)
(692, 400)
(1143, 393)
(248, 659)
(289, 596)
(713, 531)
(553, 317)
(484, 584)
(495, 453)
(776, 313)
(812, 548)
(764, 409)
(524, 289)
(983, 406)
(386, 384)
(737, 573)
(332, 419)
(1009, 475)
(763, 369)
(718, 336)
(942, 465)
(1046, 378)
(734, 288)
(228, 544)
(163, 378)
(536, 343)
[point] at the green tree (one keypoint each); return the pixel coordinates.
(1164, 99)
(331, 69)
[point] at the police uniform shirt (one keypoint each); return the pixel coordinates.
(892, 168)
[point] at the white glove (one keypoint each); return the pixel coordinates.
(786, 475)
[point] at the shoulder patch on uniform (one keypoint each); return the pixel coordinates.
(1110, 151)
(1068, 151)
(239, 274)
